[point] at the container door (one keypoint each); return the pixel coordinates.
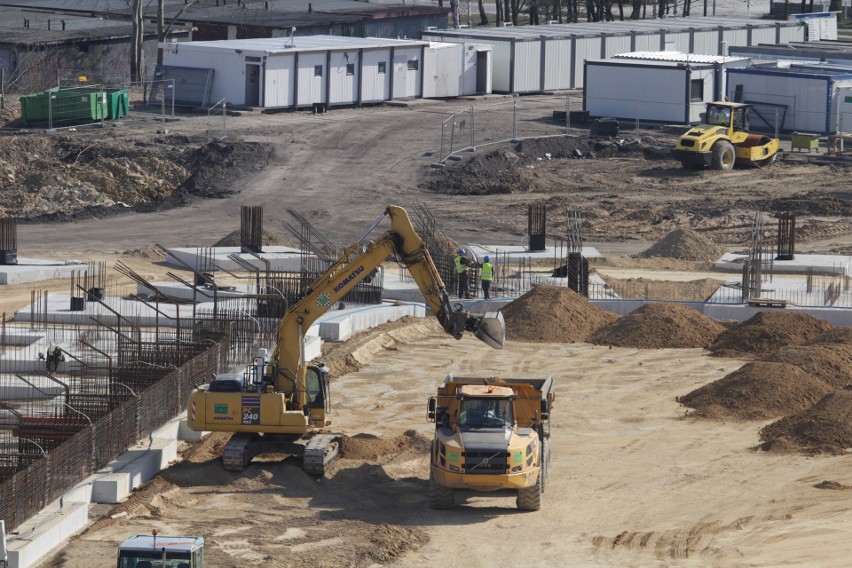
(252, 85)
(844, 110)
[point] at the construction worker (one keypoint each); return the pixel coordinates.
(461, 271)
(486, 274)
(54, 356)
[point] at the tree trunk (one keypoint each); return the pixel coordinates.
(454, 6)
(161, 30)
(137, 62)
(483, 16)
(498, 8)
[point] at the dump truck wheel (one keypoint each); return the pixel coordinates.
(441, 497)
(529, 498)
(723, 157)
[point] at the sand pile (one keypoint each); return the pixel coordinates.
(660, 325)
(358, 350)
(824, 428)
(369, 447)
(684, 244)
(550, 314)
(767, 331)
(830, 362)
(757, 391)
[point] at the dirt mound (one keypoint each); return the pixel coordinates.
(823, 428)
(685, 244)
(210, 448)
(499, 171)
(232, 239)
(832, 485)
(67, 176)
(549, 314)
(757, 391)
(830, 362)
(216, 167)
(352, 354)
(838, 335)
(660, 325)
(767, 331)
(369, 447)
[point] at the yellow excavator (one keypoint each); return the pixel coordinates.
(279, 403)
(723, 139)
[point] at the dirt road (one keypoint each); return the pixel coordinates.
(340, 169)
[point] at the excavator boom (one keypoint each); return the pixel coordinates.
(282, 399)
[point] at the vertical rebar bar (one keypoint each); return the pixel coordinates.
(441, 151)
(514, 120)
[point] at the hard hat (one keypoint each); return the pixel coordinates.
(461, 251)
(486, 258)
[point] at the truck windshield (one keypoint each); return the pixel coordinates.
(485, 413)
(153, 559)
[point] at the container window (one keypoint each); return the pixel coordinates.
(350, 68)
(382, 67)
(696, 90)
(413, 65)
(317, 70)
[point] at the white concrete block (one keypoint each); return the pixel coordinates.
(35, 541)
(111, 488)
(186, 434)
(336, 330)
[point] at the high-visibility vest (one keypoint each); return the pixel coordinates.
(487, 272)
(460, 268)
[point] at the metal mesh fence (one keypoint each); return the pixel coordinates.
(41, 476)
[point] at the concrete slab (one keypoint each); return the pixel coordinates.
(34, 269)
(284, 259)
(339, 325)
(820, 263)
(515, 254)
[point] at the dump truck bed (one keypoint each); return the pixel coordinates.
(542, 385)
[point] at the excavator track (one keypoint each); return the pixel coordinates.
(321, 450)
(239, 451)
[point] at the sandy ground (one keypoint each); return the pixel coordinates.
(633, 484)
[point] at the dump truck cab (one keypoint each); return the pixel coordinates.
(155, 551)
(723, 139)
(490, 435)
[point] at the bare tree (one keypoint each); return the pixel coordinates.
(163, 30)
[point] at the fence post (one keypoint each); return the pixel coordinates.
(441, 152)
(224, 115)
(453, 135)
(50, 110)
(163, 101)
(776, 124)
(173, 97)
(514, 119)
(2, 91)
(568, 115)
(637, 117)
(472, 139)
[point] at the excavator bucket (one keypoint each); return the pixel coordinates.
(492, 330)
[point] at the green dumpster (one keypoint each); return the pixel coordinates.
(118, 104)
(60, 107)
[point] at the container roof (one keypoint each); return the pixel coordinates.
(145, 542)
(301, 44)
(648, 63)
(678, 56)
(47, 29)
(804, 69)
(266, 13)
(837, 49)
(555, 31)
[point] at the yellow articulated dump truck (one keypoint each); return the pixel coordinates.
(491, 434)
